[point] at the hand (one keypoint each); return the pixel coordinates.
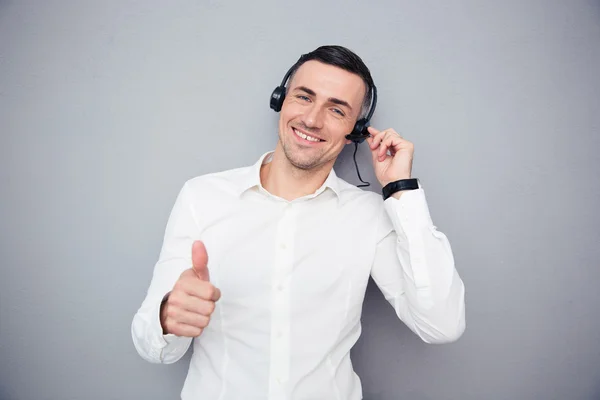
(396, 165)
(188, 307)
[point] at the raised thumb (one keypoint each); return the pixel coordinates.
(200, 260)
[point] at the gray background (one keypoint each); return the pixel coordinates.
(107, 107)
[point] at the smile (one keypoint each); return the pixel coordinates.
(306, 137)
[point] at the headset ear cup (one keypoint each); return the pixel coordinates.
(360, 132)
(277, 98)
(361, 127)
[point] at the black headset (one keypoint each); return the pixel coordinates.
(359, 132)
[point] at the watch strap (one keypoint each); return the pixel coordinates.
(396, 186)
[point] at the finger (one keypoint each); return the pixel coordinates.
(374, 142)
(376, 145)
(372, 130)
(381, 148)
(200, 260)
(393, 143)
(201, 289)
(180, 316)
(193, 304)
(183, 330)
(378, 139)
(217, 295)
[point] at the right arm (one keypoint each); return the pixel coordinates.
(172, 279)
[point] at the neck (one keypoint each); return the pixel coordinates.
(282, 179)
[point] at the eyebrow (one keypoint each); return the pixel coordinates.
(331, 99)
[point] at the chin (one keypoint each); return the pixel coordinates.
(305, 160)
(303, 163)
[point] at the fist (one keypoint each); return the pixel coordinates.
(188, 307)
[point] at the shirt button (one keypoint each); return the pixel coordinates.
(278, 380)
(280, 287)
(279, 334)
(282, 246)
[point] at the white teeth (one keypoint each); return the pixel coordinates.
(303, 136)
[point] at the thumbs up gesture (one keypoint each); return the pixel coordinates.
(188, 307)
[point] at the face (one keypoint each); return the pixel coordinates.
(321, 107)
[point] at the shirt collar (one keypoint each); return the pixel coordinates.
(252, 178)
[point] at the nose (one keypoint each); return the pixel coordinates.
(313, 118)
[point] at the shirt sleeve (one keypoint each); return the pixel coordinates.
(175, 257)
(414, 269)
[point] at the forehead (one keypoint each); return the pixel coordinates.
(330, 81)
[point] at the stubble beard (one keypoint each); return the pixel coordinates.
(303, 163)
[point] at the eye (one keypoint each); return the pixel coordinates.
(338, 111)
(302, 97)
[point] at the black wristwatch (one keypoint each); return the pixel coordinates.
(396, 186)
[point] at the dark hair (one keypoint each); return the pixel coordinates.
(343, 58)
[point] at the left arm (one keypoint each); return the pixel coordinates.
(414, 269)
(413, 265)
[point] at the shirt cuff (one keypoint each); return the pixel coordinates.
(410, 213)
(162, 344)
(158, 340)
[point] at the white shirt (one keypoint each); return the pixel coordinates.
(293, 276)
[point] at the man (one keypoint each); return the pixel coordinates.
(267, 266)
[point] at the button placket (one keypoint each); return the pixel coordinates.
(280, 302)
